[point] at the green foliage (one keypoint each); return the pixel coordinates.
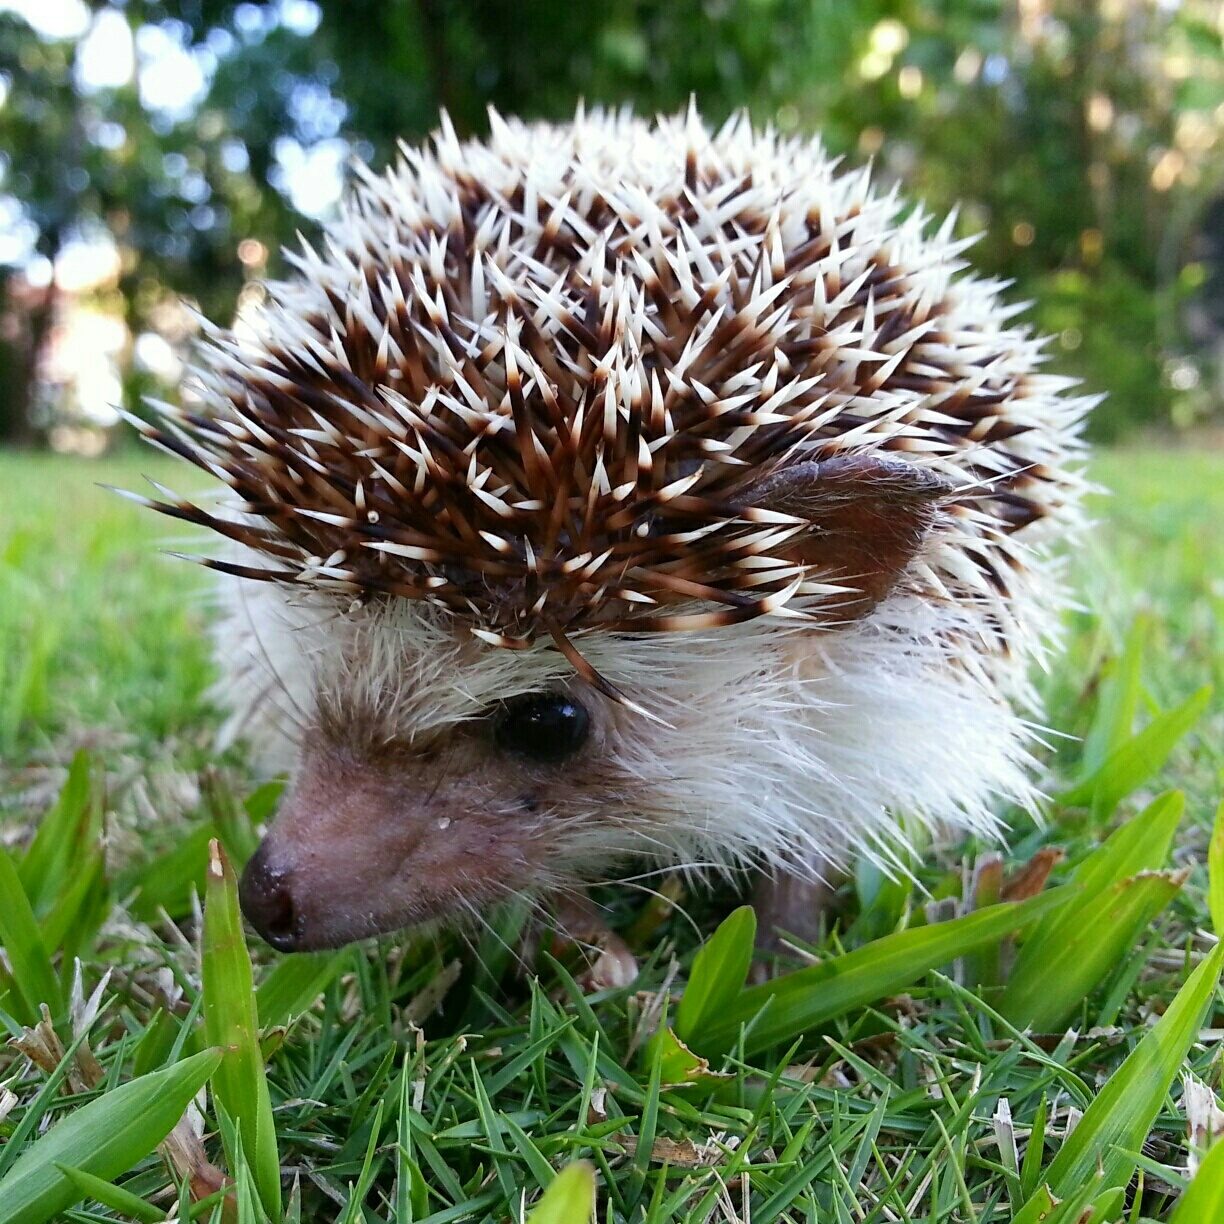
(719, 971)
(1079, 139)
(294, 983)
(1117, 704)
(1120, 891)
(67, 838)
(76, 562)
(1112, 1131)
(231, 1024)
(1204, 1200)
(1137, 758)
(569, 1200)
(478, 1118)
(1215, 863)
(102, 1139)
(30, 971)
(796, 1003)
(110, 1195)
(415, 1091)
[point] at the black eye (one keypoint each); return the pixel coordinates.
(542, 726)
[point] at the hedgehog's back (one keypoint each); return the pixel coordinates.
(531, 378)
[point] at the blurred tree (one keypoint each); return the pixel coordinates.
(395, 62)
(175, 191)
(1081, 135)
(40, 112)
(1082, 140)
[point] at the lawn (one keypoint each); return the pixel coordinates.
(925, 1079)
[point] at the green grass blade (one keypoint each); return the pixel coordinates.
(25, 697)
(1030, 1168)
(104, 1138)
(533, 1158)
(648, 1125)
(293, 1209)
(246, 1194)
(112, 1196)
(72, 825)
(494, 954)
(357, 1195)
(1215, 873)
(491, 1125)
(1204, 1200)
(1121, 1115)
(229, 817)
(883, 901)
(570, 1199)
(232, 1024)
(411, 1194)
(169, 881)
(295, 983)
(719, 971)
(32, 973)
(1141, 844)
(1118, 700)
(679, 1067)
(1050, 984)
(83, 899)
(1073, 949)
(1130, 766)
(798, 1002)
(260, 805)
(16, 1141)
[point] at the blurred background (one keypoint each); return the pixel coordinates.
(156, 153)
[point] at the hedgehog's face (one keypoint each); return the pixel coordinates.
(438, 774)
(446, 798)
(372, 839)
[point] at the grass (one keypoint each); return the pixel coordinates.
(101, 638)
(895, 1080)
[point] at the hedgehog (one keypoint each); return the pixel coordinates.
(613, 496)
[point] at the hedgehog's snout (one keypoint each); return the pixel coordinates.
(266, 894)
(372, 840)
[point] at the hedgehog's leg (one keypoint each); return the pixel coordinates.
(580, 921)
(793, 905)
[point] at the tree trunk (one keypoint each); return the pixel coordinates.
(24, 336)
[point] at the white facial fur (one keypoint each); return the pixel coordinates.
(788, 748)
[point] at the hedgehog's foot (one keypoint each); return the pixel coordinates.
(791, 907)
(579, 921)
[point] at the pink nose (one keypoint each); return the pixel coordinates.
(267, 901)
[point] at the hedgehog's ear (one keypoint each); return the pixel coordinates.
(869, 517)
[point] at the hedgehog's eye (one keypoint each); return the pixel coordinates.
(542, 726)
